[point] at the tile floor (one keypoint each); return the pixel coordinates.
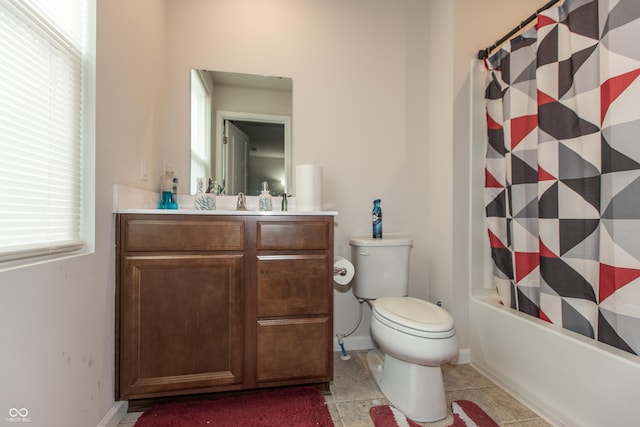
(353, 392)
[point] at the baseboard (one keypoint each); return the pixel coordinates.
(358, 342)
(115, 415)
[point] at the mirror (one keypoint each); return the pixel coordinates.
(241, 131)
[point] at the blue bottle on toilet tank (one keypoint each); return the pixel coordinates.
(376, 218)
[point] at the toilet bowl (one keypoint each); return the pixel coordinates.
(414, 338)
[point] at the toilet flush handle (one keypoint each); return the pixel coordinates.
(364, 253)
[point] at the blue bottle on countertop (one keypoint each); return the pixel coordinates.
(376, 218)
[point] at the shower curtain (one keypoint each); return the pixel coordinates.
(562, 177)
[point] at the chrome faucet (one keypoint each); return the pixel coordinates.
(241, 205)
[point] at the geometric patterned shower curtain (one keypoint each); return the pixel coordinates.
(562, 177)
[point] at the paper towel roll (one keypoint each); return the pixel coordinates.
(308, 188)
(342, 263)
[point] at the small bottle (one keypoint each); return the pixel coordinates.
(284, 202)
(376, 218)
(166, 185)
(174, 193)
(264, 199)
(204, 201)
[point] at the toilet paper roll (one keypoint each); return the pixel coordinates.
(308, 188)
(342, 277)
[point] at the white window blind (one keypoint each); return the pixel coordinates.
(41, 69)
(200, 130)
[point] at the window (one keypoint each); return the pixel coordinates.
(43, 58)
(200, 130)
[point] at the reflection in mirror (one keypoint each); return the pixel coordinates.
(241, 131)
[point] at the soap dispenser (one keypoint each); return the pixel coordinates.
(264, 199)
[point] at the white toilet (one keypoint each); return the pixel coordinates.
(413, 337)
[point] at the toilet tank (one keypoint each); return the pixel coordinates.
(381, 265)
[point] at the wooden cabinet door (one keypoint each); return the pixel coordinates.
(181, 323)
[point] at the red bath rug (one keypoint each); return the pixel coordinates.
(465, 414)
(299, 407)
(468, 414)
(388, 416)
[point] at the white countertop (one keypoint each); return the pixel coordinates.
(218, 212)
(129, 200)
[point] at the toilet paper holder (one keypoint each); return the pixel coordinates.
(343, 271)
(339, 270)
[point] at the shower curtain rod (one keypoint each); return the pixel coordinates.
(482, 54)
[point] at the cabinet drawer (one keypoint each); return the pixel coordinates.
(293, 235)
(294, 348)
(290, 285)
(182, 235)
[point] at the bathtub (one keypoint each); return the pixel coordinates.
(568, 379)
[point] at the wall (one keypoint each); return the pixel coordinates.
(131, 96)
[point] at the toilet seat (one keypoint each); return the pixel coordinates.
(414, 316)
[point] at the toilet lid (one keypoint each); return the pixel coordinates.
(414, 313)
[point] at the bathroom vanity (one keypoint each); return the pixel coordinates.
(215, 302)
